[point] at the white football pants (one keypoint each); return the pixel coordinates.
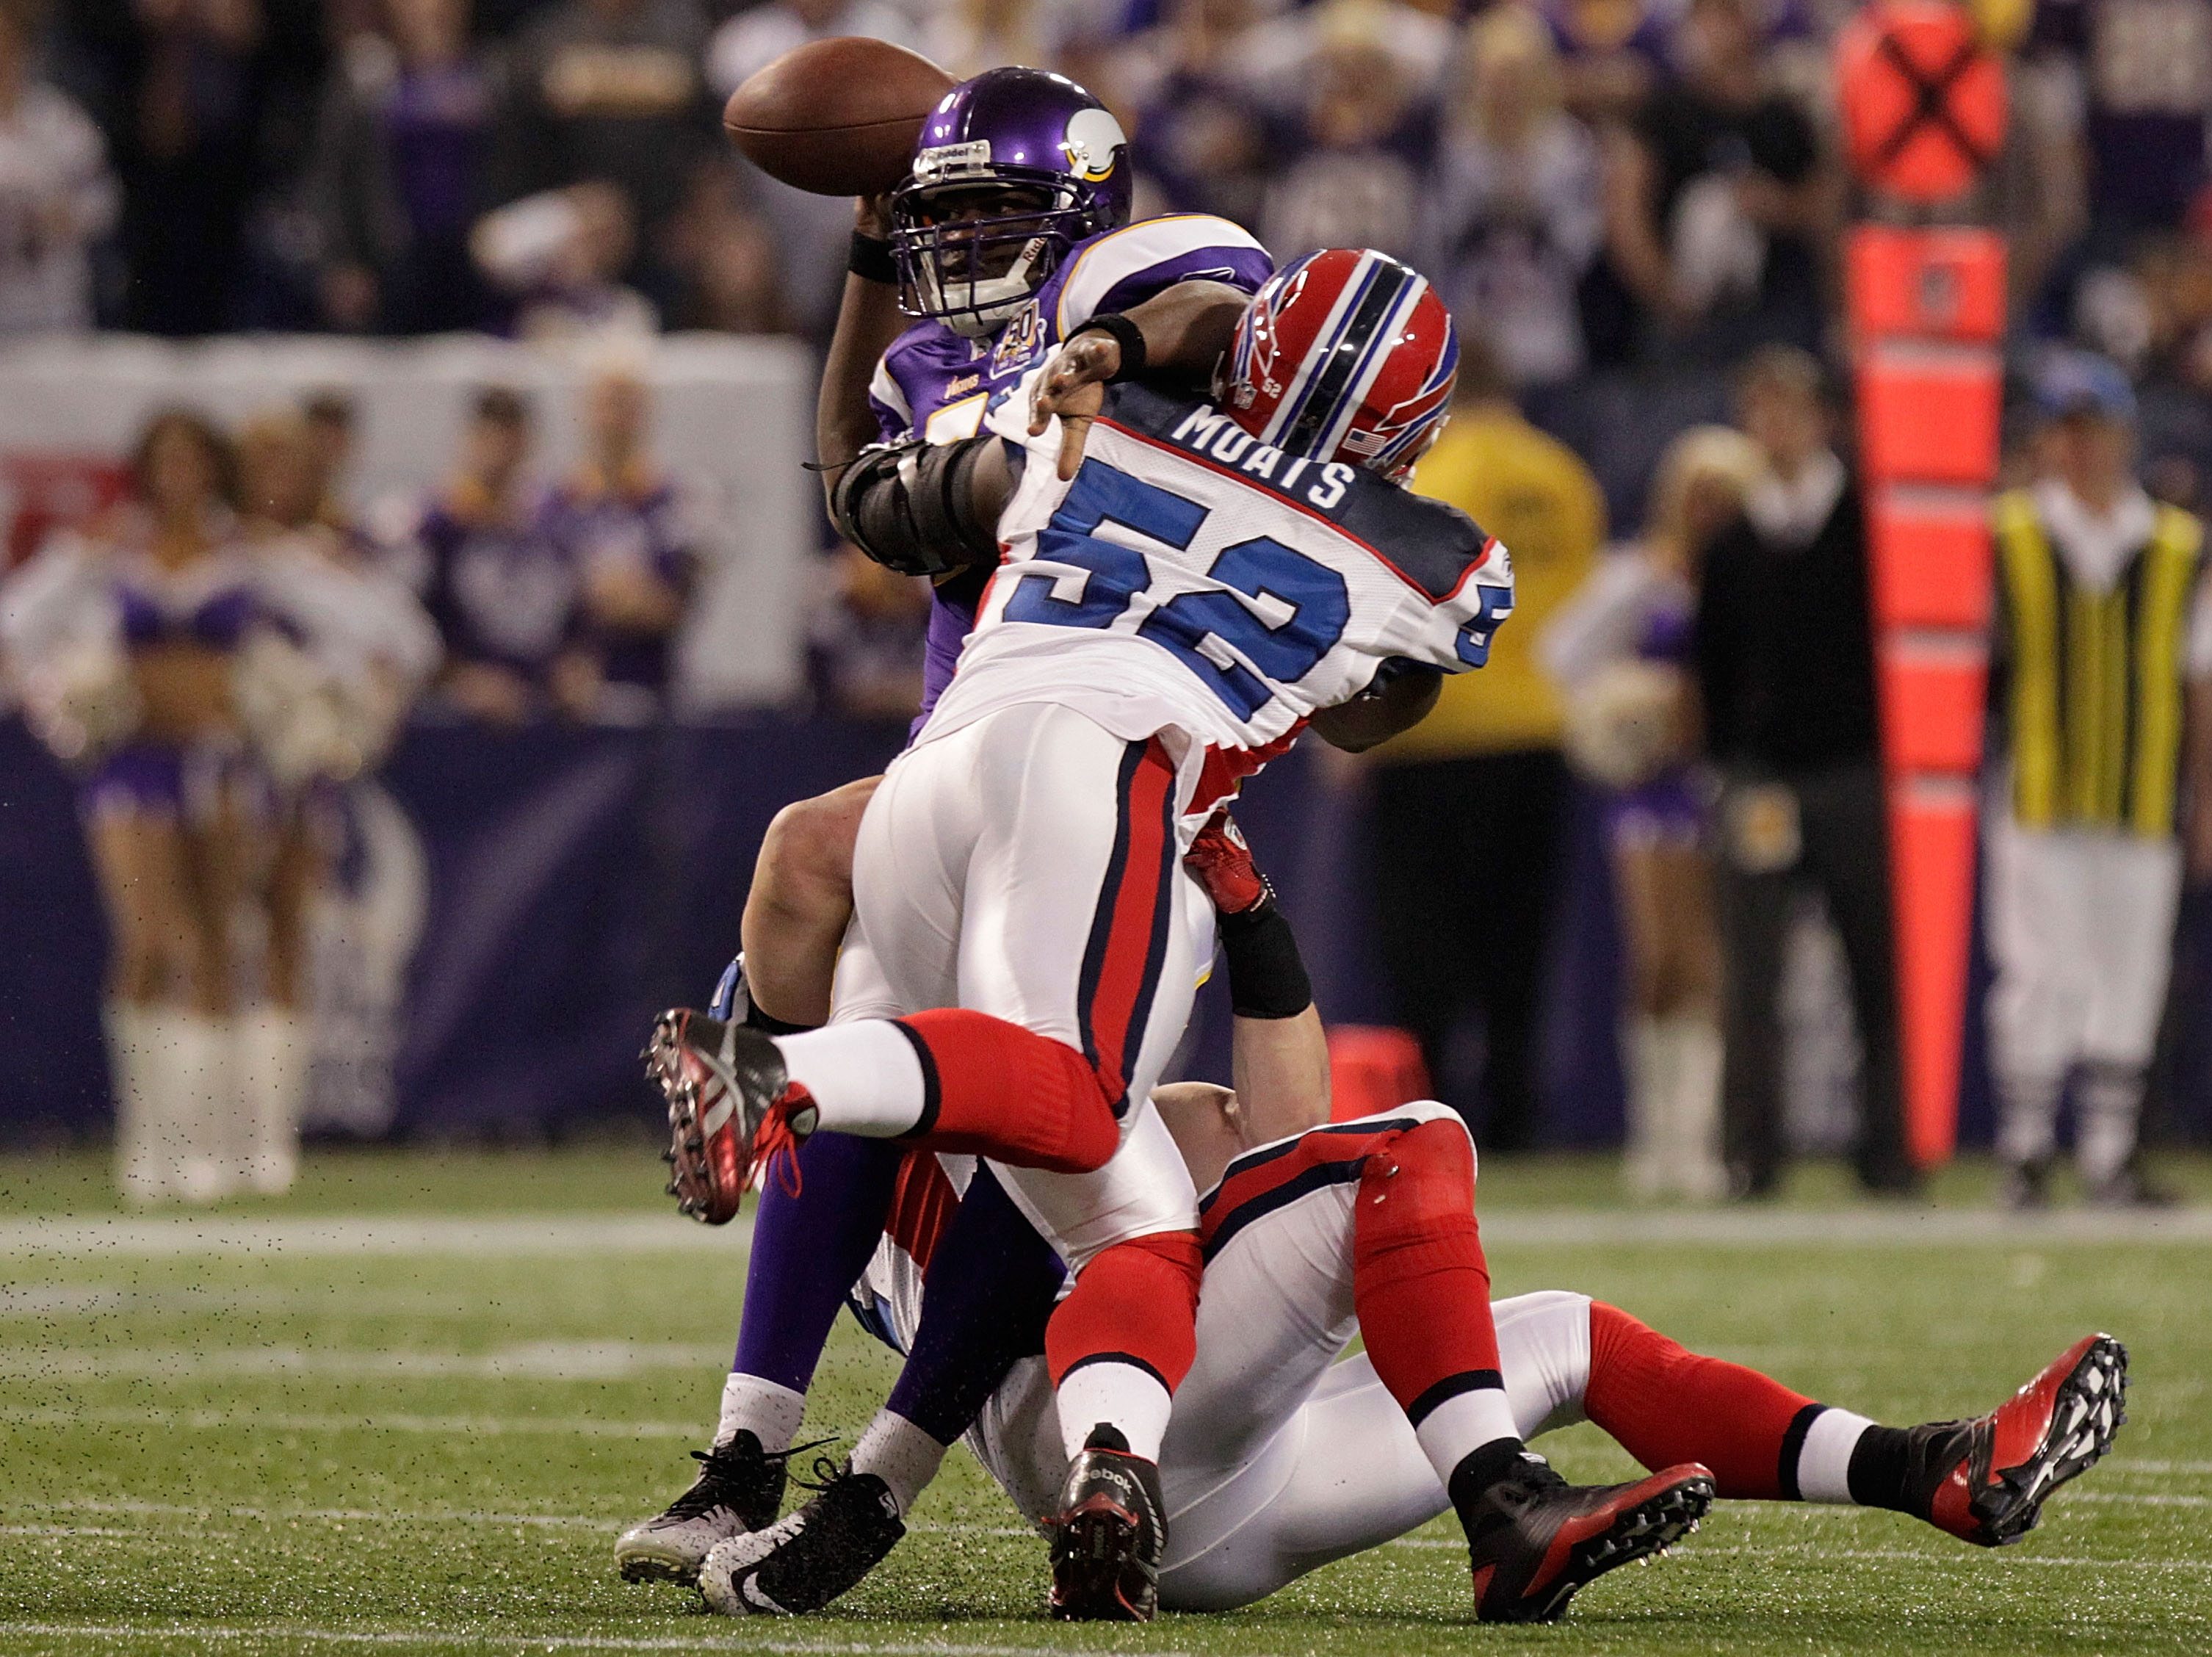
(1029, 866)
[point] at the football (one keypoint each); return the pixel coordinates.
(837, 117)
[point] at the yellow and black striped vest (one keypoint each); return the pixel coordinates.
(2090, 690)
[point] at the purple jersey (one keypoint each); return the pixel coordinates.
(936, 384)
(641, 524)
(500, 588)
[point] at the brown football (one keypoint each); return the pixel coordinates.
(837, 117)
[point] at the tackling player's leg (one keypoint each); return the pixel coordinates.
(809, 1243)
(990, 1285)
(1026, 867)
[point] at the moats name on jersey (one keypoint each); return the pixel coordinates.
(1209, 432)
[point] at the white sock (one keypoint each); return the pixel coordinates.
(865, 1077)
(2108, 1107)
(208, 1165)
(272, 1072)
(770, 1413)
(1693, 1117)
(1462, 1424)
(1649, 1056)
(1823, 1461)
(140, 1051)
(2027, 1116)
(901, 1454)
(1114, 1394)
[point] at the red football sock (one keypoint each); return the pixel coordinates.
(1666, 1405)
(1419, 1278)
(992, 1089)
(1137, 1301)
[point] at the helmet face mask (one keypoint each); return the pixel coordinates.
(1347, 356)
(1013, 168)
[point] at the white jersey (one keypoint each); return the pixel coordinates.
(1192, 579)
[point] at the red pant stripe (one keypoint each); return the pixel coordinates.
(1122, 962)
(1262, 1181)
(922, 1204)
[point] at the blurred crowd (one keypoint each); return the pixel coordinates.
(1608, 182)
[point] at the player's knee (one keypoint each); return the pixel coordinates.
(1415, 1212)
(805, 861)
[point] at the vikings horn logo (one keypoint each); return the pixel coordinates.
(1092, 138)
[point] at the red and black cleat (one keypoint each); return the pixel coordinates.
(1535, 1540)
(1986, 1479)
(731, 1109)
(1108, 1535)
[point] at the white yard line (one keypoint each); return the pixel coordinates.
(1865, 1226)
(522, 1236)
(326, 1515)
(537, 1361)
(2129, 1464)
(265, 1421)
(2006, 1560)
(538, 1235)
(721, 1641)
(401, 1516)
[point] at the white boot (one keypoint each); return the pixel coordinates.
(272, 1075)
(212, 1164)
(1695, 1168)
(175, 1104)
(1646, 1043)
(140, 1054)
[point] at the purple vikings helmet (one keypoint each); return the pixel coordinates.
(1012, 169)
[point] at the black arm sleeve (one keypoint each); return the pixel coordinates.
(911, 507)
(1267, 975)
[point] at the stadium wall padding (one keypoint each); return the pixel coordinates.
(580, 880)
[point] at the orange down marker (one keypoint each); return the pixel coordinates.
(1924, 112)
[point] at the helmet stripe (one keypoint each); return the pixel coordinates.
(1325, 337)
(1372, 361)
(1329, 403)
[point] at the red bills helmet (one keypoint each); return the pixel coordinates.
(1347, 355)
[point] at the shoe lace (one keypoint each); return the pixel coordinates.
(826, 1471)
(775, 1144)
(731, 1463)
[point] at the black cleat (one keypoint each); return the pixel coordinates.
(1534, 1539)
(1108, 1535)
(740, 1488)
(808, 1558)
(1985, 1480)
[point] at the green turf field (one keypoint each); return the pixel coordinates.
(410, 1406)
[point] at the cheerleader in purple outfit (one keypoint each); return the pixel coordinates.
(1620, 651)
(321, 693)
(159, 599)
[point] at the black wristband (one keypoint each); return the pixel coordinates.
(1267, 975)
(1126, 334)
(870, 260)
